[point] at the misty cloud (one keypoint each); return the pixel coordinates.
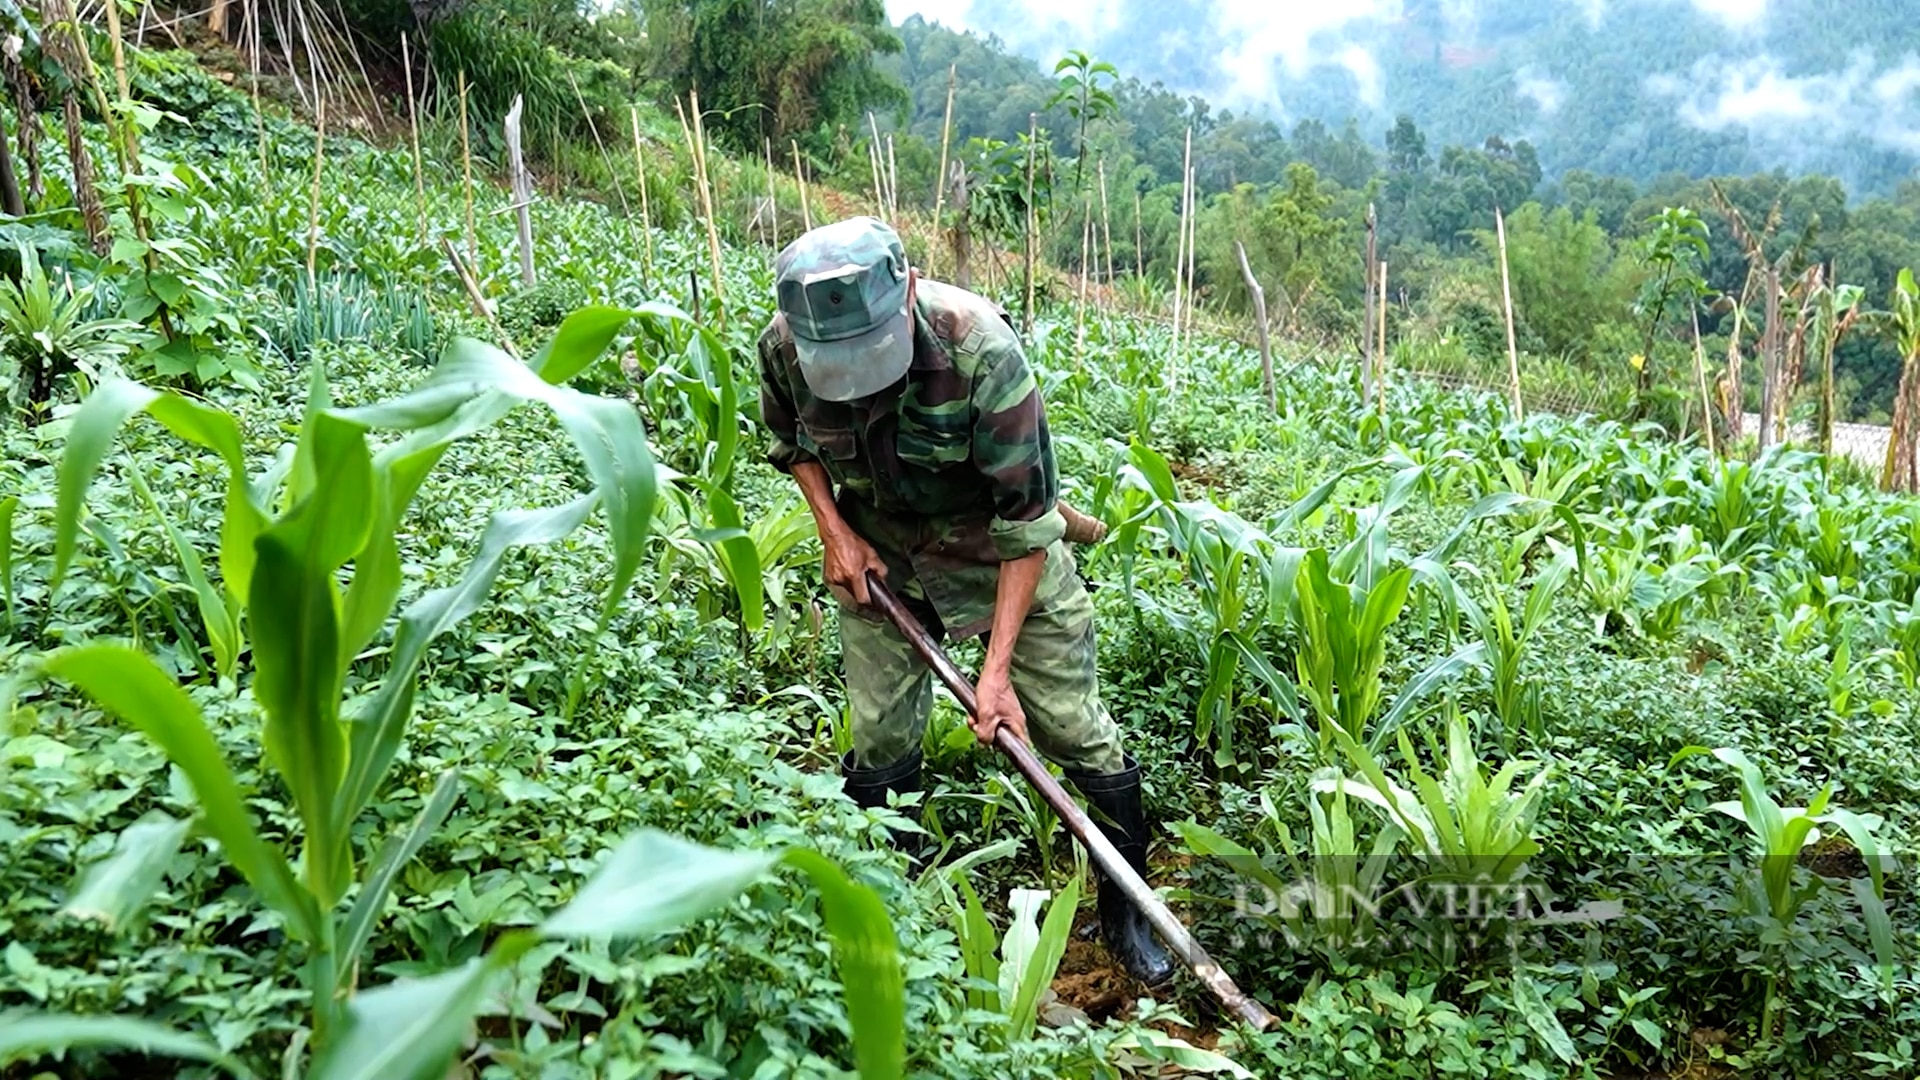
(1775, 107)
(1545, 93)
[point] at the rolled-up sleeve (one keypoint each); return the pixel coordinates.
(777, 410)
(1012, 447)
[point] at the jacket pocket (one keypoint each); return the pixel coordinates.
(932, 448)
(837, 444)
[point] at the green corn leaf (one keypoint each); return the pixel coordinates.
(652, 883)
(867, 953)
(740, 556)
(131, 686)
(976, 949)
(113, 890)
(221, 621)
(377, 732)
(1183, 1055)
(300, 671)
(1286, 696)
(580, 340)
(395, 854)
(96, 423)
(411, 1030)
(1421, 686)
(7, 506)
(1205, 841)
(1154, 471)
(27, 1035)
(1044, 959)
(1873, 911)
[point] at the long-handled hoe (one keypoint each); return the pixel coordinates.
(1104, 855)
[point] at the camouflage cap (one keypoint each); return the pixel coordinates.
(843, 290)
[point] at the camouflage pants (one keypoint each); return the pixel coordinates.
(1053, 673)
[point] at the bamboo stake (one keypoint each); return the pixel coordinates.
(1506, 298)
(522, 191)
(800, 178)
(772, 193)
(706, 202)
(1106, 220)
(1380, 382)
(646, 207)
(1139, 239)
(1770, 359)
(1371, 266)
(946, 132)
(1700, 375)
(1260, 327)
(873, 165)
(466, 171)
(893, 180)
(1033, 131)
(1193, 249)
(313, 201)
(413, 129)
(1180, 259)
(1080, 312)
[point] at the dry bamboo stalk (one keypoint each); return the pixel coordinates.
(1139, 239)
(1700, 375)
(1371, 265)
(946, 132)
(1506, 298)
(522, 190)
(874, 166)
(1080, 312)
(313, 202)
(1033, 131)
(1770, 360)
(466, 171)
(1106, 220)
(800, 179)
(1193, 248)
(706, 202)
(893, 181)
(772, 193)
(1380, 381)
(413, 130)
(1180, 258)
(646, 207)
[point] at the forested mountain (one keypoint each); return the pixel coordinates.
(1632, 88)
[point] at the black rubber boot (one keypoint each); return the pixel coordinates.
(1129, 937)
(868, 789)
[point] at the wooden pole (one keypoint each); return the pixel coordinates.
(646, 204)
(413, 131)
(1700, 376)
(874, 165)
(1506, 299)
(466, 170)
(313, 200)
(946, 133)
(522, 184)
(1259, 326)
(800, 179)
(1371, 266)
(893, 180)
(773, 195)
(1033, 131)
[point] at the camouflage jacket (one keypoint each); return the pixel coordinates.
(949, 472)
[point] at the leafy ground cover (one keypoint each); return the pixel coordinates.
(1485, 747)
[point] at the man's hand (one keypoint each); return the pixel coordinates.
(998, 706)
(846, 560)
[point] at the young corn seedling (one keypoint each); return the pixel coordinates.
(1516, 698)
(1773, 892)
(335, 501)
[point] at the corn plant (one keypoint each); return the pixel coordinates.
(45, 330)
(1325, 896)
(1468, 827)
(1772, 892)
(1516, 697)
(284, 544)
(1010, 985)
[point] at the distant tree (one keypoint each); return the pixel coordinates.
(1406, 146)
(1086, 100)
(776, 69)
(1673, 252)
